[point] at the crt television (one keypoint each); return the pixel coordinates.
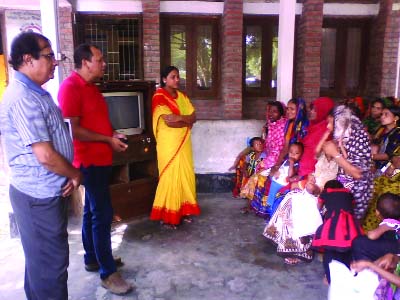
(126, 111)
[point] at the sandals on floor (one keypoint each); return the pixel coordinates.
(292, 261)
(169, 226)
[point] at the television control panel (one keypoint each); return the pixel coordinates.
(141, 147)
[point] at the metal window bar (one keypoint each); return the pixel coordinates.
(117, 39)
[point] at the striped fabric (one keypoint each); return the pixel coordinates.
(28, 115)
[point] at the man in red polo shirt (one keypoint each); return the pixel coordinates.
(94, 141)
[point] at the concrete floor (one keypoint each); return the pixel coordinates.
(221, 256)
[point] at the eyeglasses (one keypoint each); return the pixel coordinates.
(49, 56)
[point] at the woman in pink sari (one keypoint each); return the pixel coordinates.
(279, 229)
(274, 143)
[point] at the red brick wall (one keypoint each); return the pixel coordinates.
(254, 108)
(231, 77)
(390, 49)
(383, 51)
(308, 51)
(66, 41)
(151, 39)
(208, 109)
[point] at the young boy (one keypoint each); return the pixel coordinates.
(252, 160)
(383, 239)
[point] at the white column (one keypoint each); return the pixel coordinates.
(49, 18)
(287, 13)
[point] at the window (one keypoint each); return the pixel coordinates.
(191, 44)
(260, 56)
(119, 38)
(343, 57)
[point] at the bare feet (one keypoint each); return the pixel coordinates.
(187, 219)
(292, 261)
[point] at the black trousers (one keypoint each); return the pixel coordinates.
(42, 224)
(364, 248)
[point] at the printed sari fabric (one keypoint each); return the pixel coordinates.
(294, 130)
(176, 191)
(279, 231)
(382, 184)
(358, 154)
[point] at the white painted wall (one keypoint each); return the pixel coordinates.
(216, 143)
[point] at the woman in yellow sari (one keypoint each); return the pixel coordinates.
(173, 118)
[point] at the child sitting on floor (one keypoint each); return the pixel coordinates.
(282, 177)
(339, 227)
(251, 162)
(383, 239)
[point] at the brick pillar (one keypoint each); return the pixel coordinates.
(66, 41)
(309, 50)
(151, 39)
(390, 49)
(384, 47)
(231, 65)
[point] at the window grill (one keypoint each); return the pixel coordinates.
(118, 38)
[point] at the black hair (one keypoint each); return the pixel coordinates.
(83, 52)
(298, 144)
(378, 100)
(279, 106)
(396, 111)
(165, 72)
(254, 139)
(333, 184)
(26, 43)
(388, 205)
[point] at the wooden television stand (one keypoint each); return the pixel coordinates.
(134, 172)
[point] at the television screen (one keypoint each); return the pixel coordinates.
(126, 111)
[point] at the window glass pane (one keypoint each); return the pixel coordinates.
(274, 56)
(119, 41)
(178, 52)
(253, 56)
(328, 53)
(204, 57)
(353, 54)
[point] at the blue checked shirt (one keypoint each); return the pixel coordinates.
(29, 115)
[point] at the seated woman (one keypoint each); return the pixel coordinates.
(388, 182)
(295, 129)
(373, 121)
(351, 150)
(279, 230)
(390, 140)
(272, 147)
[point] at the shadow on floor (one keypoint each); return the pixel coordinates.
(222, 255)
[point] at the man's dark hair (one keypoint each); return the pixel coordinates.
(26, 43)
(83, 51)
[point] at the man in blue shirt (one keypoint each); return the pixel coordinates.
(39, 152)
